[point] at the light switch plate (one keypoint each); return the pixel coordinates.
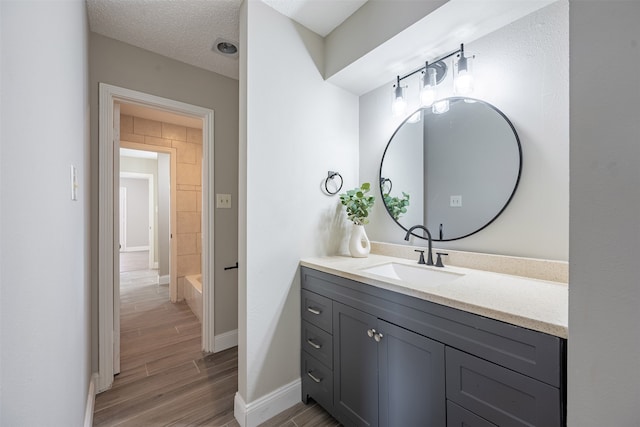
(74, 183)
(223, 201)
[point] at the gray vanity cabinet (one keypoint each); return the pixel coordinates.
(374, 357)
(385, 375)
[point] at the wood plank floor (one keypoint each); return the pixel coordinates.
(165, 379)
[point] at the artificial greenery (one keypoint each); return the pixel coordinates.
(358, 204)
(396, 205)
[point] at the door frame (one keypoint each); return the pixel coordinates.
(107, 249)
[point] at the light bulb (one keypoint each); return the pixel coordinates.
(428, 87)
(463, 78)
(399, 105)
(440, 107)
(427, 96)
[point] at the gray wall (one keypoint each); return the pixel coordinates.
(604, 300)
(149, 167)
(137, 214)
(45, 365)
(126, 66)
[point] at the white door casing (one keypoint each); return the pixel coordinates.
(123, 219)
(108, 234)
(116, 238)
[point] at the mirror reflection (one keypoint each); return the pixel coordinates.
(452, 169)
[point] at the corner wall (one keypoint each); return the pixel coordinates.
(523, 70)
(45, 363)
(604, 298)
(298, 127)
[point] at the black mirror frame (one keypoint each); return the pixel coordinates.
(515, 187)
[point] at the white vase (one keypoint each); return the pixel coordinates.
(359, 245)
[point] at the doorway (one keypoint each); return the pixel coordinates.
(108, 271)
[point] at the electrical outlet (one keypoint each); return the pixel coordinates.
(455, 201)
(223, 201)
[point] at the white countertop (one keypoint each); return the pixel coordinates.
(534, 304)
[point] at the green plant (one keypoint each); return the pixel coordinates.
(396, 205)
(358, 203)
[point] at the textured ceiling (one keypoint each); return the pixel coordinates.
(182, 30)
(186, 30)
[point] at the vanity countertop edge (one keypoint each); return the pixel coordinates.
(529, 303)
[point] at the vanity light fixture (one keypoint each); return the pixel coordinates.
(433, 74)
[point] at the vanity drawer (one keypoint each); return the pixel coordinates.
(317, 382)
(317, 343)
(499, 395)
(460, 417)
(316, 310)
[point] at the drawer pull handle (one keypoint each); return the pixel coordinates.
(313, 377)
(313, 344)
(371, 333)
(314, 311)
(378, 337)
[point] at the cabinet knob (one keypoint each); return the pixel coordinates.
(371, 333)
(378, 337)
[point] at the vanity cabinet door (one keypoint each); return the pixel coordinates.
(412, 378)
(500, 395)
(355, 367)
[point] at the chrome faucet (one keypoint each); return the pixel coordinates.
(429, 254)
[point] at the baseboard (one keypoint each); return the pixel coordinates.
(225, 340)
(164, 280)
(266, 407)
(91, 400)
(136, 248)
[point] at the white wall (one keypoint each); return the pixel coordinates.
(369, 27)
(44, 263)
(522, 69)
(604, 302)
(298, 127)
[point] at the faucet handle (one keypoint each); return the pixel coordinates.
(439, 259)
(421, 260)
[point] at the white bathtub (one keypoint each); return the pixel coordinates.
(193, 294)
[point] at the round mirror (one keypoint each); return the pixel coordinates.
(453, 168)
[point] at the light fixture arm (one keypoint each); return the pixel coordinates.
(442, 58)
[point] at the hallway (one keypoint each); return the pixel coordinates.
(165, 378)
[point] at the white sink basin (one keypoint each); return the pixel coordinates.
(415, 275)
